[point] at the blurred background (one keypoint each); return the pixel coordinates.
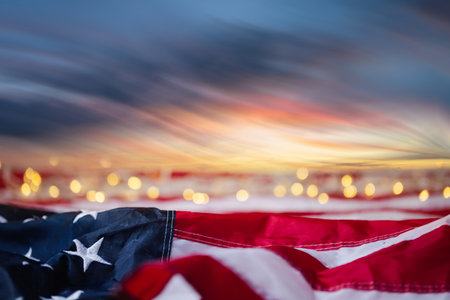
(310, 106)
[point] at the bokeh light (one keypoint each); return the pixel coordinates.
(242, 195)
(297, 189)
(350, 191)
(369, 189)
(153, 192)
(188, 194)
(446, 192)
(75, 186)
(312, 191)
(302, 173)
(134, 183)
(25, 189)
(423, 196)
(200, 198)
(90, 195)
(323, 198)
(397, 188)
(279, 191)
(53, 191)
(113, 179)
(100, 197)
(346, 180)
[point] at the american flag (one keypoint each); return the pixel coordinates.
(145, 253)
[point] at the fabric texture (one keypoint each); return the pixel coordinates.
(77, 255)
(286, 256)
(146, 253)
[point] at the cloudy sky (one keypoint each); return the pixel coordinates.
(225, 84)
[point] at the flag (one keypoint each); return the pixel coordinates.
(146, 253)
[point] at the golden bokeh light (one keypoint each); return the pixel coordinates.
(25, 189)
(33, 187)
(297, 189)
(446, 192)
(200, 198)
(188, 193)
(90, 195)
(423, 196)
(75, 186)
(397, 188)
(36, 179)
(113, 179)
(153, 192)
(53, 191)
(134, 183)
(279, 191)
(350, 191)
(28, 175)
(346, 180)
(242, 195)
(369, 189)
(312, 191)
(323, 198)
(100, 197)
(302, 173)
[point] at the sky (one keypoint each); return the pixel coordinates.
(225, 84)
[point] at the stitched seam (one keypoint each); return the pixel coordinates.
(338, 244)
(360, 242)
(203, 241)
(165, 231)
(310, 245)
(212, 238)
(171, 233)
(385, 286)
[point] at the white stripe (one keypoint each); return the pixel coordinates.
(178, 288)
(333, 258)
(265, 272)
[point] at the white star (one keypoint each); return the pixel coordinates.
(85, 213)
(88, 254)
(28, 255)
(73, 296)
(3, 220)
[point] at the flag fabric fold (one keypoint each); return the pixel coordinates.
(286, 256)
(146, 253)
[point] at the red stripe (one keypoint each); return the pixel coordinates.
(146, 282)
(206, 275)
(271, 229)
(420, 266)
